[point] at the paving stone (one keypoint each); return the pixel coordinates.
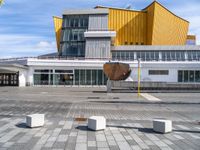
(123, 145)
(168, 142)
(160, 143)
(154, 147)
(129, 126)
(91, 143)
(100, 137)
(114, 148)
(101, 144)
(135, 147)
(8, 144)
(112, 143)
(92, 148)
(81, 146)
(62, 138)
(59, 145)
(119, 137)
(131, 142)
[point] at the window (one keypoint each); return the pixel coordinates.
(158, 72)
(72, 38)
(191, 76)
(188, 76)
(180, 76)
(131, 55)
(197, 76)
(63, 71)
(143, 56)
(43, 71)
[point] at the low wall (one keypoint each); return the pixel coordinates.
(129, 85)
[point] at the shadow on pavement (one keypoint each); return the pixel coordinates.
(144, 130)
(186, 131)
(83, 128)
(22, 125)
(142, 102)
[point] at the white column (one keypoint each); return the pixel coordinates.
(22, 78)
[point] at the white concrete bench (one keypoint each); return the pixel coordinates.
(35, 120)
(97, 123)
(162, 125)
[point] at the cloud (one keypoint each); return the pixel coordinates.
(26, 26)
(47, 46)
(25, 45)
(189, 11)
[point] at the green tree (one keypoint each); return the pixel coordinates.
(1, 2)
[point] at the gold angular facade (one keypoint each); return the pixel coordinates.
(166, 27)
(130, 26)
(154, 25)
(57, 27)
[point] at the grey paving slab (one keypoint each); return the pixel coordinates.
(129, 120)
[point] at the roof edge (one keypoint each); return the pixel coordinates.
(57, 17)
(99, 6)
(155, 1)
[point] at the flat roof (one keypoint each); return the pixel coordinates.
(154, 48)
(85, 11)
(14, 65)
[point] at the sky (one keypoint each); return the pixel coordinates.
(27, 29)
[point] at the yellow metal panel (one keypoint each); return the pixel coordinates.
(58, 27)
(191, 37)
(167, 28)
(154, 25)
(129, 25)
(150, 23)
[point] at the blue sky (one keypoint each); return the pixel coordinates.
(26, 26)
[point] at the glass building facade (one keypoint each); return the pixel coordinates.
(69, 77)
(189, 76)
(72, 38)
(156, 55)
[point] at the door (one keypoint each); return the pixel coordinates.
(9, 79)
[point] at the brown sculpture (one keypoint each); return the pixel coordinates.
(116, 71)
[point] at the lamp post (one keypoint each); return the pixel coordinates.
(139, 72)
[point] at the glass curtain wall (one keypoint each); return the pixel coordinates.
(70, 77)
(63, 77)
(129, 55)
(43, 77)
(72, 40)
(90, 77)
(188, 76)
(154, 55)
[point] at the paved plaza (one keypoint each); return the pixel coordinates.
(129, 119)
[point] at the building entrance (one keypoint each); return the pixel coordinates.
(9, 79)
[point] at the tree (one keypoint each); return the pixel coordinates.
(1, 2)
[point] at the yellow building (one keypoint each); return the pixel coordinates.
(153, 25)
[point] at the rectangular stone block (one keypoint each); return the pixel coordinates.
(35, 120)
(97, 123)
(162, 126)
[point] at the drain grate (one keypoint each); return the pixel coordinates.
(115, 97)
(93, 98)
(80, 119)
